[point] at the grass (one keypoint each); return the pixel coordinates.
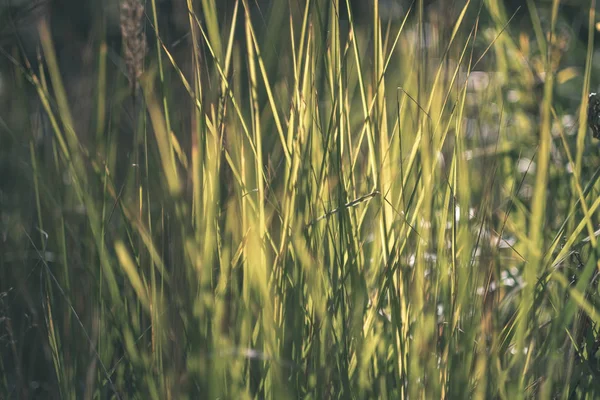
(295, 205)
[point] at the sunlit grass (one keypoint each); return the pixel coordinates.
(341, 212)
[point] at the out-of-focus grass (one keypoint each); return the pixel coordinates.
(309, 207)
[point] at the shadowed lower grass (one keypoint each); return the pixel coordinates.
(302, 206)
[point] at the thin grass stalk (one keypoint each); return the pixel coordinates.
(537, 223)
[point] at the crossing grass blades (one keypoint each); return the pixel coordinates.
(299, 205)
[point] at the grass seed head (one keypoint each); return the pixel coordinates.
(134, 40)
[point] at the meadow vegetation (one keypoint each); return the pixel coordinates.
(290, 203)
